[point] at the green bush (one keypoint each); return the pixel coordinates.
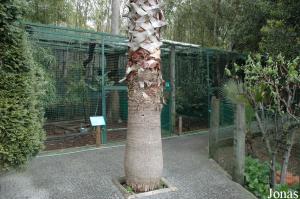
(21, 113)
(257, 177)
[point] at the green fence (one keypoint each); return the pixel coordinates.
(85, 67)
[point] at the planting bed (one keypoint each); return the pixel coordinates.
(128, 193)
(225, 155)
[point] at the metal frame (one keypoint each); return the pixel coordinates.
(79, 40)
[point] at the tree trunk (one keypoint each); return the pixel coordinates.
(143, 154)
(108, 24)
(271, 153)
(115, 17)
(217, 7)
(115, 98)
(273, 171)
(286, 157)
(144, 159)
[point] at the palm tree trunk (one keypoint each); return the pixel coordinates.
(144, 158)
(143, 155)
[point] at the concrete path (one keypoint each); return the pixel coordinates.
(88, 175)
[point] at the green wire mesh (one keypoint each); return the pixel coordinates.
(86, 67)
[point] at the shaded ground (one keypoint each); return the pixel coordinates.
(88, 174)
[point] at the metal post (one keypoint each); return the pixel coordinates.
(208, 87)
(104, 134)
(173, 88)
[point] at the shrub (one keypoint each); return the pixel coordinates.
(257, 177)
(21, 115)
(271, 86)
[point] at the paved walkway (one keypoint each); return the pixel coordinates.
(88, 175)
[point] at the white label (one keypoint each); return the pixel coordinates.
(97, 121)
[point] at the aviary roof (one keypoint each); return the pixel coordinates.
(79, 39)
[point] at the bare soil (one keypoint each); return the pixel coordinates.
(260, 151)
(77, 133)
(191, 124)
(225, 156)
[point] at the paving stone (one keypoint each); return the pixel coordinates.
(88, 174)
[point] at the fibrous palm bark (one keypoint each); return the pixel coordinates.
(143, 156)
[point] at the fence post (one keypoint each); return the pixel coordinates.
(103, 92)
(180, 125)
(173, 88)
(98, 136)
(239, 144)
(214, 127)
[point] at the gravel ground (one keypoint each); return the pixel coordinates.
(88, 174)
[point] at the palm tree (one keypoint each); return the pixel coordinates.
(143, 156)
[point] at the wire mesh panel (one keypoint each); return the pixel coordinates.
(84, 68)
(199, 75)
(225, 133)
(116, 103)
(76, 72)
(225, 146)
(192, 87)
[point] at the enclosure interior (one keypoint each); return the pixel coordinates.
(85, 67)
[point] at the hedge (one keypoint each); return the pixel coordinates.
(21, 113)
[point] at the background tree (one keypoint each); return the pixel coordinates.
(209, 23)
(281, 32)
(49, 12)
(243, 26)
(114, 109)
(21, 83)
(92, 14)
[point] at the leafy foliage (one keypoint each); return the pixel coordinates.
(232, 25)
(233, 92)
(277, 38)
(257, 177)
(271, 85)
(281, 32)
(92, 14)
(45, 11)
(245, 26)
(21, 131)
(45, 62)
